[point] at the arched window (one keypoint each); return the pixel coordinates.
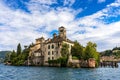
(52, 58)
(48, 58)
(52, 46)
(48, 46)
(48, 52)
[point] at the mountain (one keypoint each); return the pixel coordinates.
(113, 52)
(3, 53)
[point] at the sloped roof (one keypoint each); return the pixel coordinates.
(38, 50)
(59, 39)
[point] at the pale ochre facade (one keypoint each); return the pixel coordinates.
(50, 49)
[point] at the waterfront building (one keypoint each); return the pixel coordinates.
(44, 50)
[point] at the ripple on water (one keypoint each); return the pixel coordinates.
(52, 73)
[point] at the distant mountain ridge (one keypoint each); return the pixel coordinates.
(113, 52)
(3, 53)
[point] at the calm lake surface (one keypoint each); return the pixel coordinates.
(52, 73)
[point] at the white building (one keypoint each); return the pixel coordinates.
(50, 49)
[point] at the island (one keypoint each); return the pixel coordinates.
(58, 51)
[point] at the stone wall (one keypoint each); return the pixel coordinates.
(90, 63)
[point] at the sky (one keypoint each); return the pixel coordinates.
(22, 21)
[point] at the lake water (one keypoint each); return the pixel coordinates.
(52, 73)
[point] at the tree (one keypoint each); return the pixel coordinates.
(19, 57)
(65, 53)
(13, 55)
(77, 50)
(65, 50)
(107, 53)
(26, 52)
(19, 49)
(117, 54)
(91, 52)
(116, 48)
(64, 56)
(7, 57)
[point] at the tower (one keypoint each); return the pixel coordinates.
(62, 32)
(54, 35)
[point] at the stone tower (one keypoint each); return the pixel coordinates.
(62, 32)
(54, 35)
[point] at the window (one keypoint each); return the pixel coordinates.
(52, 58)
(48, 52)
(48, 46)
(52, 52)
(61, 30)
(52, 46)
(48, 58)
(58, 44)
(56, 52)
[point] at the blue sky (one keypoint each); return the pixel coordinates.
(22, 21)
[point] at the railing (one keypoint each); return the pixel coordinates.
(113, 64)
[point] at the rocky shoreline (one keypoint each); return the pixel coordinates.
(73, 64)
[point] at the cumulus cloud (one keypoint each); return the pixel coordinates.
(69, 2)
(101, 1)
(49, 2)
(19, 26)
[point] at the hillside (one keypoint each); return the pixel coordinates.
(3, 53)
(113, 52)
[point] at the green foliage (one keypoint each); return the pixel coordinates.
(74, 57)
(116, 48)
(106, 53)
(62, 61)
(114, 52)
(77, 50)
(90, 50)
(7, 57)
(19, 49)
(65, 50)
(13, 55)
(17, 58)
(117, 54)
(85, 53)
(26, 53)
(53, 61)
(64, 58)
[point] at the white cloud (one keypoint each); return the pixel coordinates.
(115, 4)
(22, 27)
(18, 26)
(101, 1)
(48, 2)
(69, 2)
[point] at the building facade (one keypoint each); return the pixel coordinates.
(44, 50)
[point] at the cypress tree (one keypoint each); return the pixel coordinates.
(19, 50)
